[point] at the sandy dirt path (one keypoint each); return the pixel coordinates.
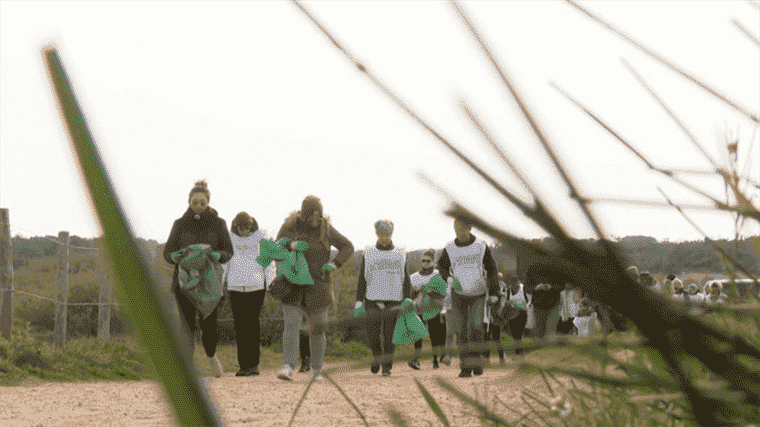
(267, 401)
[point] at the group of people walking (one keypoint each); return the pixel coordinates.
(466, 264)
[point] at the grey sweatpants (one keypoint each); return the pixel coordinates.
(317, 339)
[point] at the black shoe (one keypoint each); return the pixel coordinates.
(478, 370)
(247, 372)
(375, 368)
(435, 362)
(387, 370)
(466, 373)
(414, 364)
(305, 365)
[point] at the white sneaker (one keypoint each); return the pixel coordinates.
(317, 377)
(286, 373)
(216, 367)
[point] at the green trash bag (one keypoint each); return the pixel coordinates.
(428, 306)
(435, 284)
(200, 277)
(295, 269)
(272, 251)
(409, 328)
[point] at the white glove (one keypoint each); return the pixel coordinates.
(381, 305)
(358, 304)
(493, 299)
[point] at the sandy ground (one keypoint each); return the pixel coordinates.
(267, 401)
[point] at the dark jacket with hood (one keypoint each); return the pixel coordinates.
(209, 229)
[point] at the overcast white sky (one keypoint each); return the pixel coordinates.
(253, 98)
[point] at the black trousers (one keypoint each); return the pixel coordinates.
(380, 332)
(436, 327)
(188, 313)
(246, 307)
(517, 328)
(493, 333)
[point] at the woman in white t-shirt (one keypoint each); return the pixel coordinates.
(569, 308)
(517, 296)
(695, 300)
(586, 320)
(247, 281)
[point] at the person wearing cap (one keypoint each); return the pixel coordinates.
(437, 325)
(382, 286)
(468, 265)
(246, 282)
(310, 233)
(200, 224)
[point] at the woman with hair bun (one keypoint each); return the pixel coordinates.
(199, 225)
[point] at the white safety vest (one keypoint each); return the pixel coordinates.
(467, 267)
(243, 273)
(384, 273)
(418, 279)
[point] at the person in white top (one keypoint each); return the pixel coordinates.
(714, 299)
(586, 319)
(569, 308)
(493, 331)
(436, 325)
(695, 300)
(246, 282)
(383, 284)
(516, 294)
(467, 263)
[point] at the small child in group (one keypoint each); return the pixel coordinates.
(715, 297)
(695, 300)
(586, 320)
(676, 286)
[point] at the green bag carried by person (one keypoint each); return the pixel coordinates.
(272, 251)
(409, 327)
(295, 269)
(436, 284)
(200, 277)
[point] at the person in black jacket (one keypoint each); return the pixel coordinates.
(545, 282)
(200, 224)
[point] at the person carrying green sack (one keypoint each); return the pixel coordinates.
(468, 265)
(200, 224)
(310, 236)
(383, 284)
(429, 290)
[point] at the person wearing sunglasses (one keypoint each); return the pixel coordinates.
(436, 325)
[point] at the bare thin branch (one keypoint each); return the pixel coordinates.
(746, 32)
(718, 204)
(538, 213)
(665, 62)
(670, 112)
(487, 135)
(652, 203)
(534, 125)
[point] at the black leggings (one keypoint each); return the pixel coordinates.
(517, 328)
(437, 330)
(246, 307)
(493, 333)
(188, 314)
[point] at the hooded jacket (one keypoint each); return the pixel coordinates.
(208, 229)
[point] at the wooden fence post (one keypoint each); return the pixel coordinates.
(62, 294)
(6, 275)
(104, 299)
